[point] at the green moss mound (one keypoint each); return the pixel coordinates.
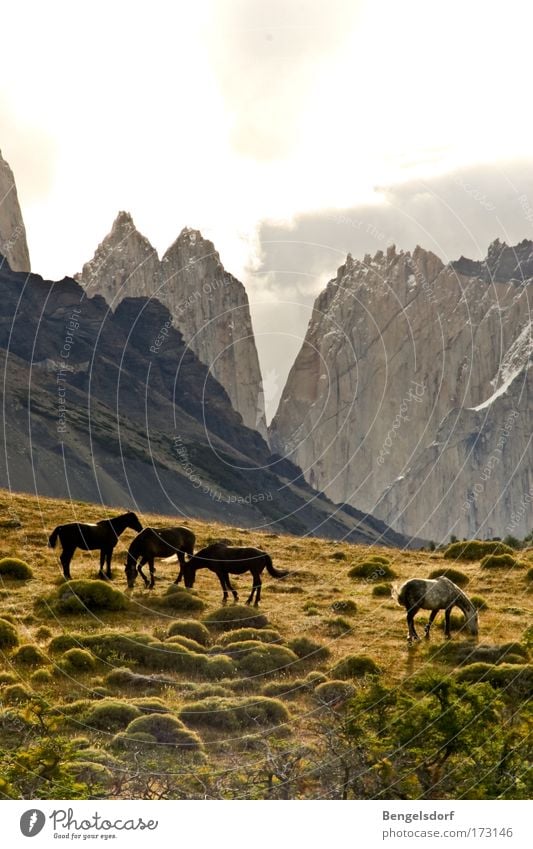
(12, 567)
(178, 600)
(30, 655)
(458, 578)
(111, 716)
(518, 679)
(370, 570)
(235, 616)
(8, 635)
(254, 658)
(264, 635)
(479, 602)
(79, 659)
(83, 596)
(41, 677)
(152, 705)
(344, 606)
(15, 694)
(309, 650)
(382, 591)
(136, 741)
(379, 558)
(8, 678)
(190, 628)
(62, 643)
(124, 678)
(334, 692)
(355, 666)
(337, 626)
(500, 561)
(475, 549)
(167, 729)
(186, 643)
(227, 714)
(220, 667)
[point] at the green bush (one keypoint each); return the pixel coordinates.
(112, 716)
(187, 643)
(230, 714)
(500, 561)
(12, 567)
(177, 599)
(79, 659)
(337, 626)
(337, 555)
(309, 650)
(220, 667)
(43, 633)
(255, 658)
(354, 666)
(8, 678)
(458, 578)
(166, 729)
(123, 677)
(529, 575)
(41, 676)
(235, 616)
(518, 680)
(29, 655)
(344, 606)
(371, 570)
(475, 549)
(190, 628)
(8, 635)
(82, 596)
(334, 692)
(14, 693)
(382, 590)
(264, 635)
(62, 643)
(479, 602)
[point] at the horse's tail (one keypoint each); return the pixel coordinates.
(398, 593)
(52, 539)
(276, 573)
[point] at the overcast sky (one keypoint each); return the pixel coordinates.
(339, 125)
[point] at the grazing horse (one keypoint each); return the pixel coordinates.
(103, 535)
(157, 542)
(225, 560)
(438, 594)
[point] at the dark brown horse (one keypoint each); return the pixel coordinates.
(103, 535)
(157, 542)
(225, 560)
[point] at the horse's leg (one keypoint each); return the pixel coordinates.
(65, 558)
(256, 589)
(140, 572)
(447, 615)
(230, 588)
(109, 555)
(152, 573)
(430, 623)
(102, 561)
(412, 635)
(181, 558)
(222, 578)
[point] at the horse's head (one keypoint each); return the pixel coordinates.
(189, 573)
(130, 567)
(134, 523)
(472, 622)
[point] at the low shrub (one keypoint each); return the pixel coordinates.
(309, 650)
(153, 705)
(62, 643)
(458, 578)
(230, 714)
(133, 742)
(479, 602)
(291, 688)
(235, 616)
(355, 666)
(8, 635)
(177, 599)
(190, 628)
(187, 643)
(43, 633)
(517, 680)
(338, 555)
(14, 693)
(475, 549)
(8, 678)
(41, 676)
(94, 775)
(110, 715)
(344, 606)
(12, 567)
(30, 655)
(264, 635)
(370, 570)
(84, 596)
(79, 659)
(338, 626)
(123, 677)
(467, 653)
(500, 561)
(220, 667)
(529, 575)
(165, 728)
(382, 590)
(255, 658)
(334, 692)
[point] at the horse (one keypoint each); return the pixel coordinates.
(103, 535)
(225, 560)
(157, 542)
(434, 594)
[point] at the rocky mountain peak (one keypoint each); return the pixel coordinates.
(13, 244)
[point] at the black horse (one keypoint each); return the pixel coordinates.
(103, 535)
(157, 542)
(225, 560)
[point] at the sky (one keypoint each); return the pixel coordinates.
(288, 131)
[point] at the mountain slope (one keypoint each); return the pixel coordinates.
(13, 243)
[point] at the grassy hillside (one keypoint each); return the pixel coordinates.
(141, 701)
